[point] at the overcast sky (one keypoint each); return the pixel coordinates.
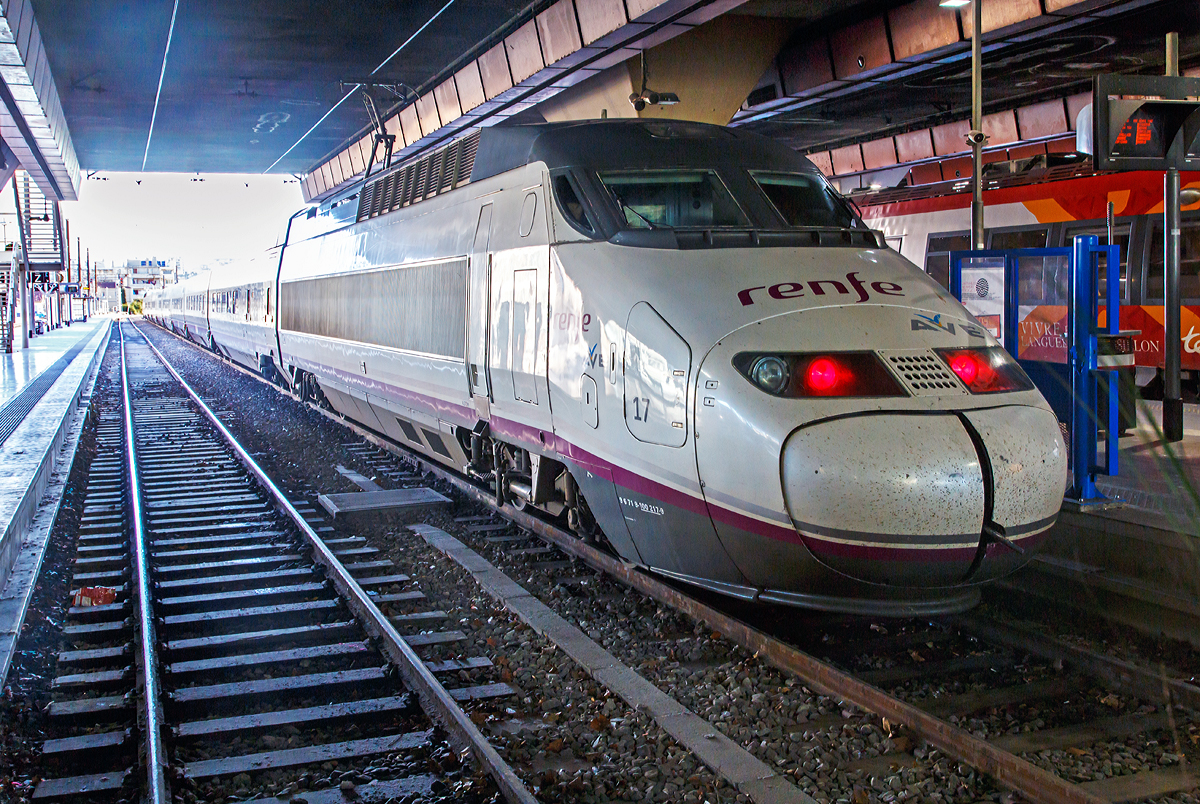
(170, 215)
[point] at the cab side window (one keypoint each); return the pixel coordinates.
(571, 204)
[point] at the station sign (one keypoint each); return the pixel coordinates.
(1146, 122)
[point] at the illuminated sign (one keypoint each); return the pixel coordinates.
(1146, 122)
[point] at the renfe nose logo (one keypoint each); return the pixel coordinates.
(820, 287)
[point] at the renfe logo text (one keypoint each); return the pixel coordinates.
(821, 287)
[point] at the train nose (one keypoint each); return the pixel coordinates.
(902, 499)
(892, 499)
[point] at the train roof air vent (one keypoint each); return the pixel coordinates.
(417, 179)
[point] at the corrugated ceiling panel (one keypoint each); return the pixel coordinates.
(879, 153)
(949, 138)
(806, 67)
(1042, 119)
(524, 52)
(1000, 14)
(822, 161)
(493, 68)
(410, 124)
(427, 113)
(846, 160)
(446, 95)
(599, 17)
(914, 145)
(860, 48)
(920, 27)
(1000, 127)
(558, 31)
(470, 86)
(639, 8)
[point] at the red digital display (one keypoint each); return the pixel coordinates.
(1141, 136)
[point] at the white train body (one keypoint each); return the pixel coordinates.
(611, 359)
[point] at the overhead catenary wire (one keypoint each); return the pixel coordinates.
(356, 87)
(161, 75)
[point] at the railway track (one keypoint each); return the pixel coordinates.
(934, 681)
(877, 672)
(225, 642)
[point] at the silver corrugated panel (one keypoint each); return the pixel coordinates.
(419, 185)
(421, 308)
(470, 146)
(437, 167)
(449, 167)
(364, 201)
(389, 193)
(443, 170)
(404, 198)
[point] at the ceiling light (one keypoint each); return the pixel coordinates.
(954, 3)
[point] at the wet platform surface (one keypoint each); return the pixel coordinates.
(1159, 479)
(1139, 563)
(23, 366)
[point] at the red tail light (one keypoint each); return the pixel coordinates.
(986, 371)
(824, 375)
(966, 365)
(834, 374)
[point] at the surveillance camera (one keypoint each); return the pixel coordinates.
(976, 138)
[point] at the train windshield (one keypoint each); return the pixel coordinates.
(673, 199)
(805, 200)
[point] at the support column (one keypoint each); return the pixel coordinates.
(978, 240)
(26, 302)
(1172, 346)
(27, 323)
(1172, 393)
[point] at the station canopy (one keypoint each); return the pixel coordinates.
(296, 87)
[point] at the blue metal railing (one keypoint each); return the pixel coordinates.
(1073, 390)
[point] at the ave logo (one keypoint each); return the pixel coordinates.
(935, 324)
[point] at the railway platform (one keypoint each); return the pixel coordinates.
(44, 392)
(24, 366)
(1136, 562)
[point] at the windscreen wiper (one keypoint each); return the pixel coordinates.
(625, 207)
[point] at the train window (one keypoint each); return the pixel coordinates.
(571, 205)
(1038, 278)
(528, 212)
(937, 255)
(1024, 238)
(805, 200)
(1043, 280)
(1189, 262)
(673, 199)
(1120, 238)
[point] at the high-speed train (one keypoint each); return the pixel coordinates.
(676, 336)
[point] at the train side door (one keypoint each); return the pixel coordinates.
(517, 340)
(480, 284)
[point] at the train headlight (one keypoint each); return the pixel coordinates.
(830, 374)
(770, 374)
(988, 370)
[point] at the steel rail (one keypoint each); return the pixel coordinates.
(1118, 672)
(1031, 782)
(157, 790)
(416, 675)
